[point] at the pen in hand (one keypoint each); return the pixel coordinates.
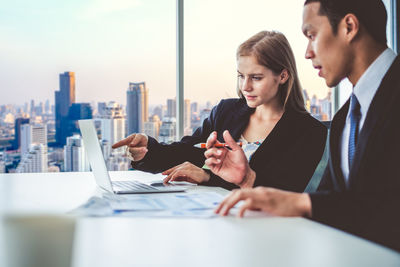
(218, 145)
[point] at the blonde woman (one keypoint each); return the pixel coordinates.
(282, 141)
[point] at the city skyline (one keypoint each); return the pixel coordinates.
(37, 138)
(109, 45)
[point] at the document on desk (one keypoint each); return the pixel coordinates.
(189, 205)
(208, 213)
(94, 207)
(174, 202)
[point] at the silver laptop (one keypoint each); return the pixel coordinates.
(99, 169)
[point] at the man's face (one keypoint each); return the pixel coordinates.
(328, 52)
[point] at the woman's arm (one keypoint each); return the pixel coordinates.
(161, 156)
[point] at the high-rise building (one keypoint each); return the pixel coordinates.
(307, 101)
(195, 116)
(32, 134)
(47, 107)
(106, 149)
(26, 107)
(2, 110)
(167, 130)
(2, 167)
(158, 110)
(326, 106)
(136, 106)
(171, 108)
(64, 99)
(116, 160)
(74, 155)
(194, 107)
(35, 160)
(17, 132)
(117, 163)
(77, 111)
(32, 109)
(315, 111)
(314, 100)
(39, 109)
(152, 127)
(112, 123)
(2, 163)
(101, 108)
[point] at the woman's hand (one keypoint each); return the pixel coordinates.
(231, 165)
(186, 172)
(136, 145)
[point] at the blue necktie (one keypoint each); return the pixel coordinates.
(355, 116)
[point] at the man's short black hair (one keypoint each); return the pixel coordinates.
(371, 14)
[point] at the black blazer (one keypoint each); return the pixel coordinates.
(286, 159)
(370, 207)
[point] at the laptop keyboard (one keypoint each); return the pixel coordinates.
(133, 186)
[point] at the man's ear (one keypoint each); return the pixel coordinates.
(350, 27)
(284, 76)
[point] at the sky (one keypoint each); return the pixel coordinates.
(111, 43)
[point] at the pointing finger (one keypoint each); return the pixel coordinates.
(124, 142)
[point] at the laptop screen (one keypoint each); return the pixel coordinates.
(94, 154)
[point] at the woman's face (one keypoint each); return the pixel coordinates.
(258, 84)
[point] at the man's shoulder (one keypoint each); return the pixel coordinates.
(390, 85)
(393, 74)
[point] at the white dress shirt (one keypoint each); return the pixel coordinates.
(365, 90)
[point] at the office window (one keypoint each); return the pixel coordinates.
(116, 61)
(113, 61)
(214, 30)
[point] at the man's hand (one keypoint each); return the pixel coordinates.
(229, 164)
(137, 145)
(270, 200)
(186, 172)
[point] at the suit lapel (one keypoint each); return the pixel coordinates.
(335, 147)
(379, 108)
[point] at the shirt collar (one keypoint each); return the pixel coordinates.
(369, 82)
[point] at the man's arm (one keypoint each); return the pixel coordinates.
(233, 166)
(270, 200)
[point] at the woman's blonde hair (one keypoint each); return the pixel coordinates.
(272, 50)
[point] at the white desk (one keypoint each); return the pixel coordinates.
(227, 241)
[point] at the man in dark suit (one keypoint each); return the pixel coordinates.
(360, 190)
